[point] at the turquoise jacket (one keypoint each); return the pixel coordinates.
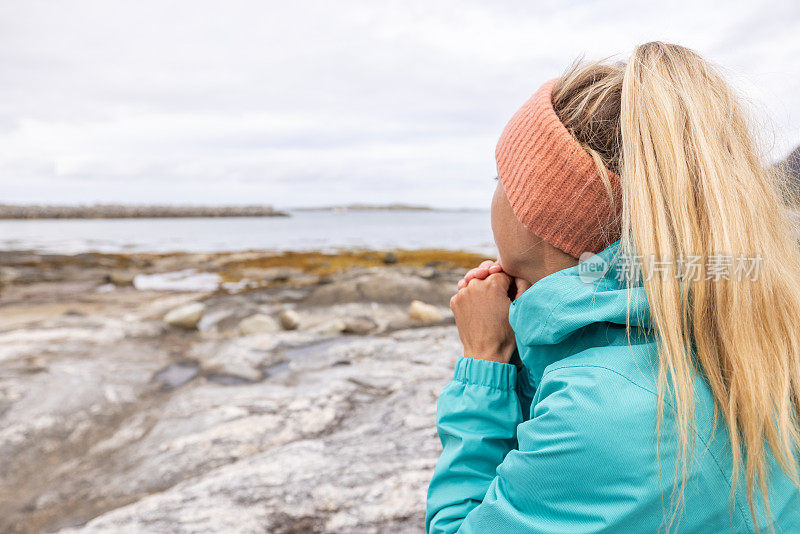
(568, 444)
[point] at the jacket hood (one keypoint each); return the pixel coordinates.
(548, 318)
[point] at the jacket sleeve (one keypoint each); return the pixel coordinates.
(476, 416)
(550, 482)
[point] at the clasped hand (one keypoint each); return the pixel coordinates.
(481, 309)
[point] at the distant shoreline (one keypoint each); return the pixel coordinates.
(119, 211)
(368, 207)
(123, 211)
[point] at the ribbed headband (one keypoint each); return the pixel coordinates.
(552, 183)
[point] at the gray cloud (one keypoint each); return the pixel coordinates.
(302, 103)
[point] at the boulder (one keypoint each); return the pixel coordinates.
(289, 319)
(186, 316)
(243, 358)
(386, 287)
(332, 326)
(420, 312)
(121, 278)
(428, 273)
(258, 324)
(8, 275)
(359, 325)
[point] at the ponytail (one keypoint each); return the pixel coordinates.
(695, 186)
(696, 189)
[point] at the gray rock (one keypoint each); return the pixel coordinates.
(359, 325)
(331, 326)
(176, 374)
(308, 455)
(131, 427)
(244, 358)
(384, 286)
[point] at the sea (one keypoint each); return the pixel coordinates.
(303, 230)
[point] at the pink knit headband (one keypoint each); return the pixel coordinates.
(552, 183)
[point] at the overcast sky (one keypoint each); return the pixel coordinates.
(314, 103)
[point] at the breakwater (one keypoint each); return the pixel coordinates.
(122, 211)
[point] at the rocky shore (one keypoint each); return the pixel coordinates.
(120, 211)
(241, 392)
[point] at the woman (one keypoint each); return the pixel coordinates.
(656, 386)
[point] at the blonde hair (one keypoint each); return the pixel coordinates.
(695, 184)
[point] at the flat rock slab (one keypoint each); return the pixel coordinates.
(110, 421)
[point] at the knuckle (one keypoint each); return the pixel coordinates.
(496, 279)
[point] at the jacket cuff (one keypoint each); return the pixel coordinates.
(486, 373)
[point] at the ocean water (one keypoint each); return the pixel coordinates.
(303, 230)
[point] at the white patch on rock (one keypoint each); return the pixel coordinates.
(186, 280)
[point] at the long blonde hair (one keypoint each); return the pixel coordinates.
(696, 185)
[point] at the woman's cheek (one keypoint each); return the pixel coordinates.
(501, 261)
(502, 249)
(506, 265)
